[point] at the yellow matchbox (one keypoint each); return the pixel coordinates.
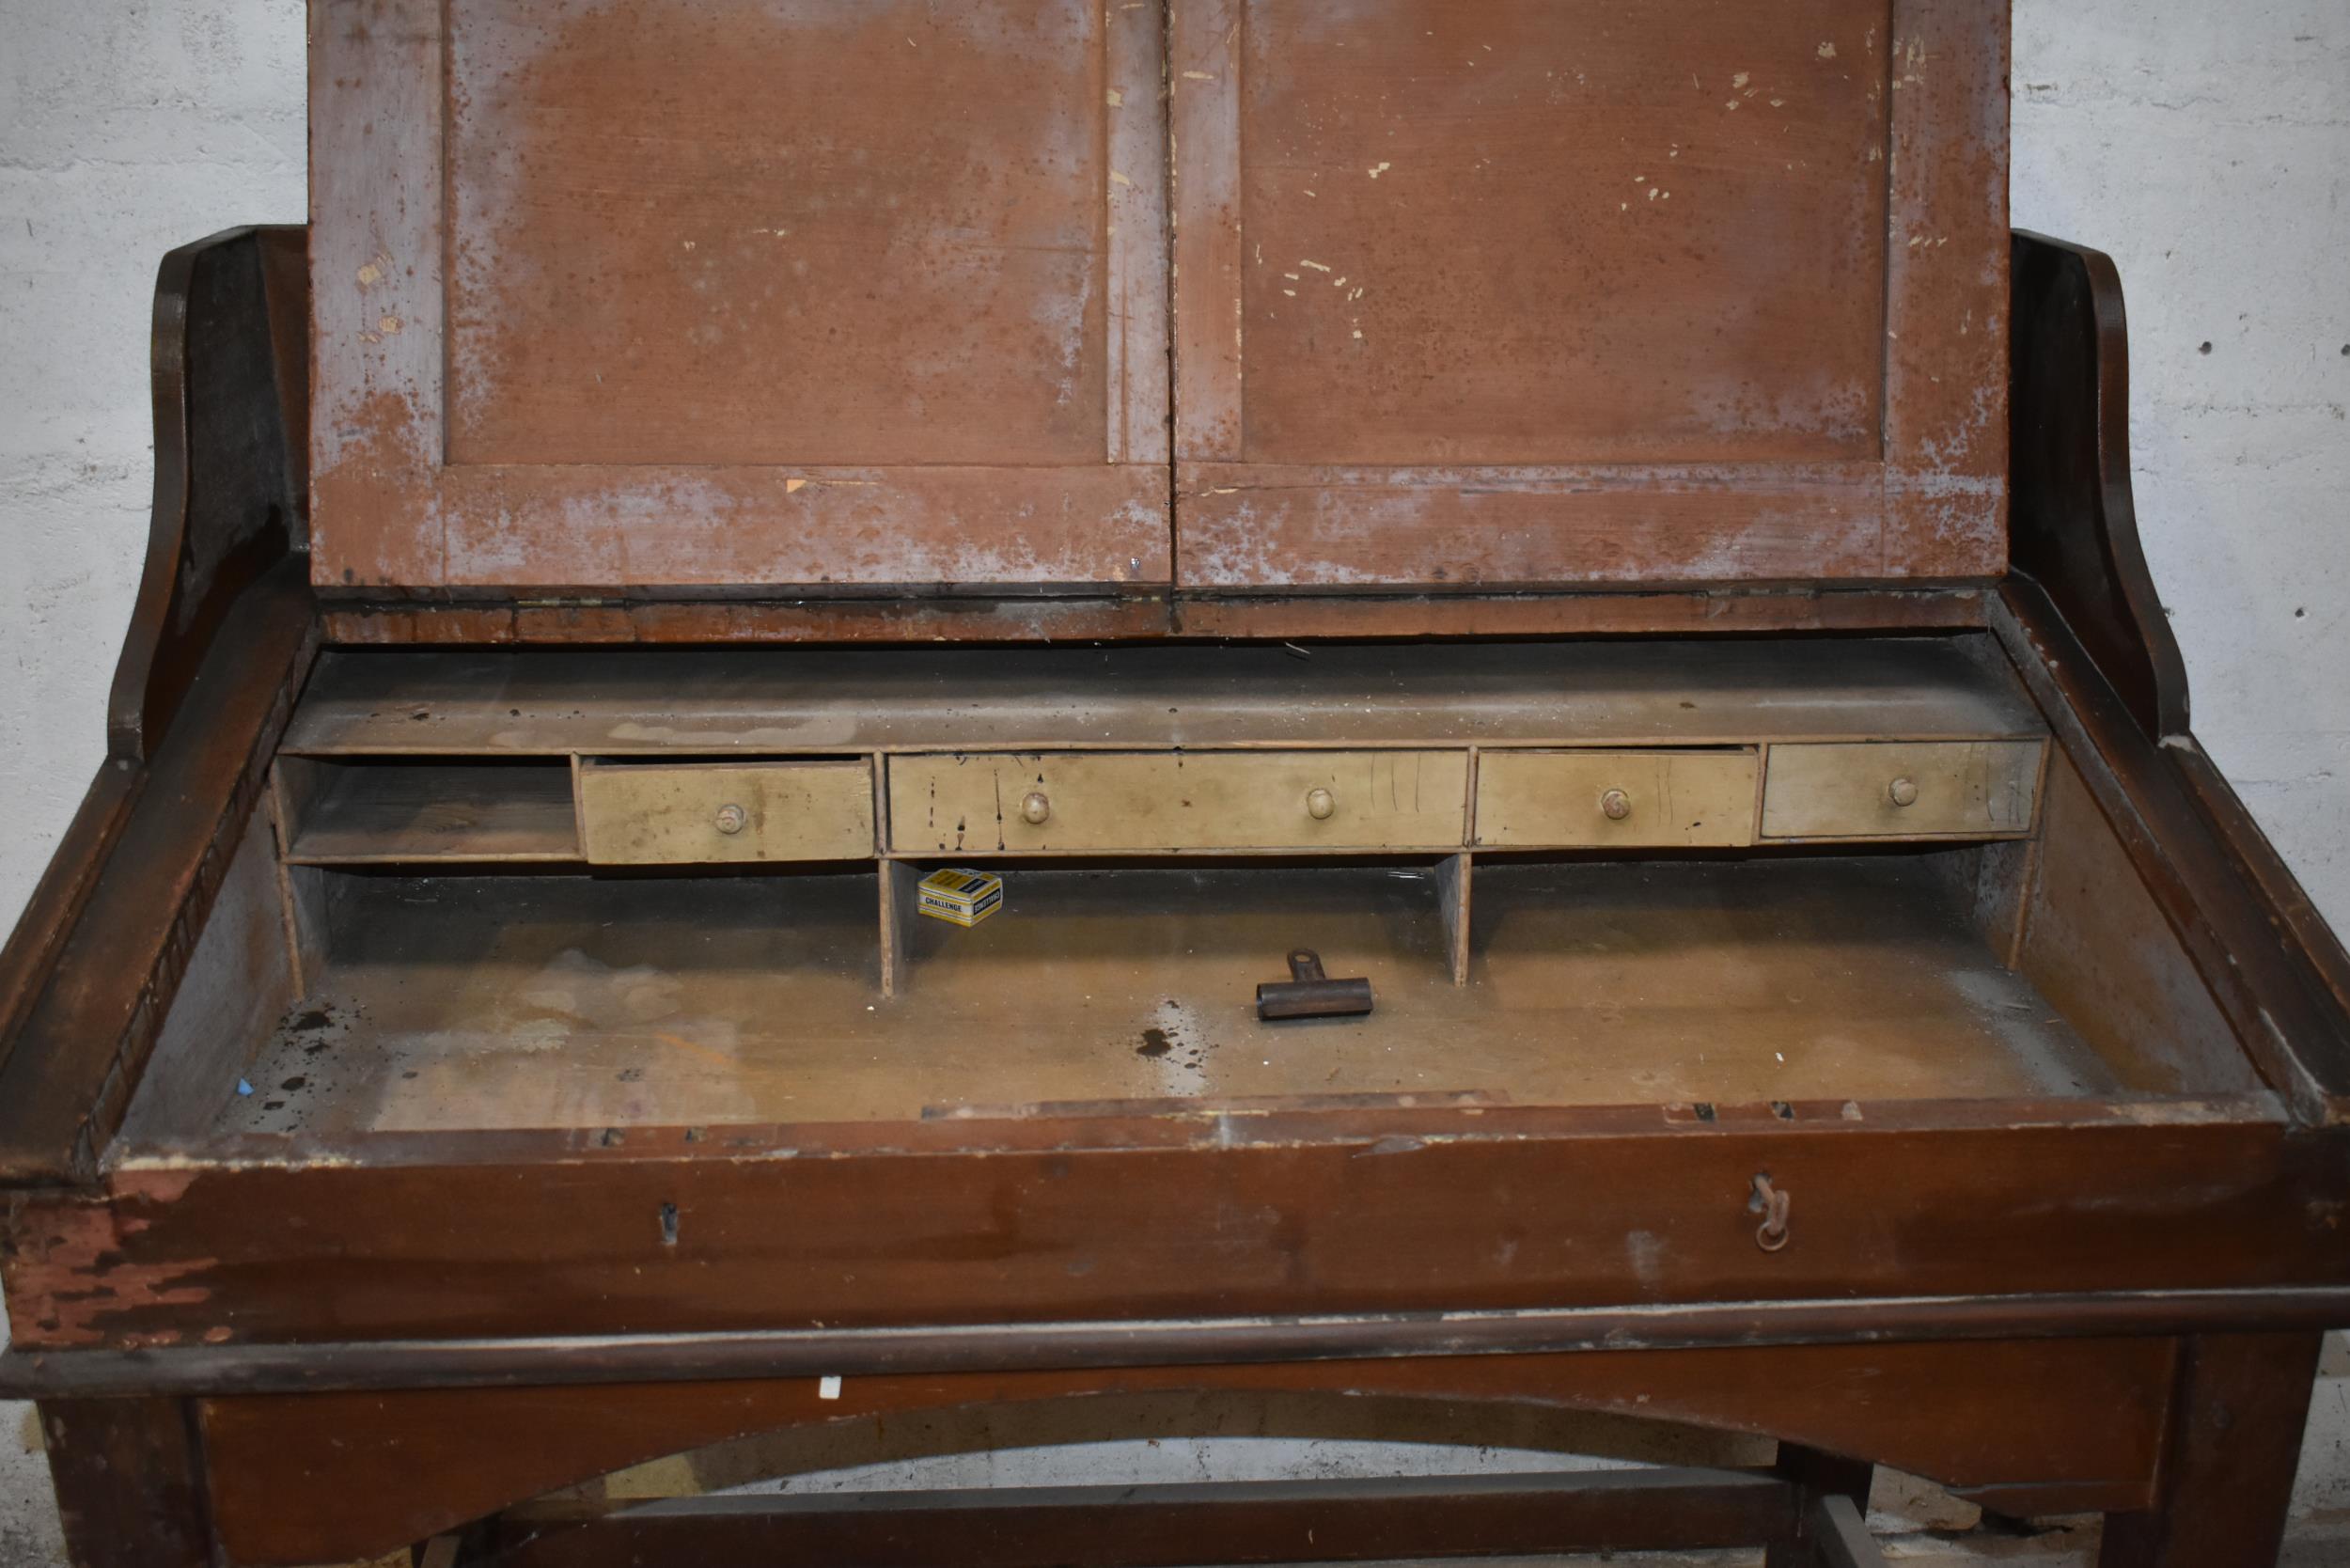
(961, 897)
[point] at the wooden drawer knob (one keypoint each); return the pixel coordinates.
(732, 820)
(1615, 806)
(1903, 792)
(1036, 809)
(1319, 803)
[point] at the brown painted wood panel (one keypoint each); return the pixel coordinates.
(716, 293)
(314, 1477)
(1514, 293)
(1254, 1210)
(129, 1479)
(1522, 231)
(2237, 1419)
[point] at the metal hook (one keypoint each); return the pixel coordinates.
(1773, 1204)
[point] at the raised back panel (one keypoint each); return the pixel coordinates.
(876, 295)
(740, 293)
(1517, 292)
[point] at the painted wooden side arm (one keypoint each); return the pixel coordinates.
(2074, 523)
(221, 610)
(2082, 593)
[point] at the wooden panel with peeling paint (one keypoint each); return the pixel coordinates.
(1203, 88)
(1530, 295)
(724, 293)
(1274, 1212)
(1173, 803)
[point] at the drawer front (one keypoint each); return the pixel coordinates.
(1902, 790)
(987, 804)
(726, 813)
(1637, 799)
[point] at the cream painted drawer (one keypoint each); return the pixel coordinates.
(983, 803)
(1901, 790)
(725, 812)
(1594, 799)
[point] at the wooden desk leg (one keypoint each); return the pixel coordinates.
(2234, 1440)
(1820, 1475)
(129, 1480)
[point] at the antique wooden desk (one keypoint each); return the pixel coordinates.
(1582, 514)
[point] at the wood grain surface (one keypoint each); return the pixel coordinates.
(708, 293)
(1650, 692)
(1512, 293)
(705, 293)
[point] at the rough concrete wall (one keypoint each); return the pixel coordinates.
(2205, 144)
(127, 127)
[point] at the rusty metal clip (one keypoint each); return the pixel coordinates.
(1772, 1204)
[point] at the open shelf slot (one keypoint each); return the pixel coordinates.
(420, 813)
(459, 1002)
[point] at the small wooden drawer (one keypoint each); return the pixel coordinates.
(1637, 799)
(1126, 802)
(725, 812)
(1902, 790)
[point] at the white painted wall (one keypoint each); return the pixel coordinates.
(2206, 143)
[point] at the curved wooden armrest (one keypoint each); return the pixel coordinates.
(2074, 526)
(231, 390)
(232, 385)
(2075, 538)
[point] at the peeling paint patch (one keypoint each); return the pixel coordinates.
(74, 1281)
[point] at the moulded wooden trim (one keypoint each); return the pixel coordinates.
(346, 1365)
(1251, 527)
(735, 619)
(1203, 81)
(1947, 296)
(561, 529)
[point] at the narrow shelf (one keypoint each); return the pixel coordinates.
(719, 702)
(379, 814)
